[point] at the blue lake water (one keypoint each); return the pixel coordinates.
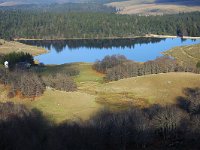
(140, 50)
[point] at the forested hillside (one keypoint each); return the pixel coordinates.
(47, 25)
(18, 2)
(64, 8)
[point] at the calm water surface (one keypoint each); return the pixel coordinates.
(140, 49)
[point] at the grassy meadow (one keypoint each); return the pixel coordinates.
(13, 46)
(150, 89)
(93, 94)
(185, 54)
(152, 7)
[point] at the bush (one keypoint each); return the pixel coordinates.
(28, 84)
(9, 110)
(132, 69)
(60, 82)
(118, 67)
(198, 64)
(193, 96)
(20, 128)
(109, 62)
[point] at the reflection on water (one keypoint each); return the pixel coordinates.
(138, 49)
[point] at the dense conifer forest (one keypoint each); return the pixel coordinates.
(64, 8)
(51, 25)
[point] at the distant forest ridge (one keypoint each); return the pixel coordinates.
(101, 6)
(47, 25)
(18, 2)
(64, 8)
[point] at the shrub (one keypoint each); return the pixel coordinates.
(28, 84)
(198, 64)
(10, 110)
(193, 96)
(118, 67)
(20, 128)
(109, 62)
(31, 85)
(167, 121)
(60, 82)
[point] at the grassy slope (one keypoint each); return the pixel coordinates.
(150, 89)
(150, 7)
(185, 54)
(12, 46)
(142, 91)
(62, 105)
(58, 105)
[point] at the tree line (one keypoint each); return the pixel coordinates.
(61, 8)
(156, 127)
(29, 84)
(118, 67)
(15, 58)
(50, 25)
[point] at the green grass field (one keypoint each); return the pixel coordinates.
(185, 54)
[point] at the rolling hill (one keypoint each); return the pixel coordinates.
(185, 55)
(156, 7)
(144, 7)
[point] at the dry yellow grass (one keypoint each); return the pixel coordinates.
(58, 105)
(13, 46)
(66, 105)
(188, 55)
(150, 7)
(92, 95)
(153, 89)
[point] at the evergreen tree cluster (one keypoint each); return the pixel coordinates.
(61, 8)
(51, 25)
(14, 58)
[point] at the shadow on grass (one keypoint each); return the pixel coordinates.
(156, 127)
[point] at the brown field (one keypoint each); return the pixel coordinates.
(150, 7)
(12, 46)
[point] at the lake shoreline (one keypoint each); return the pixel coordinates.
(110, 38)
(138, 50)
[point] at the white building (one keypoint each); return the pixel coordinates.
(6, 64)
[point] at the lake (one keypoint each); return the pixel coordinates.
(138, 49)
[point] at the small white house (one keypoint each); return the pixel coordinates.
(6, 64)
